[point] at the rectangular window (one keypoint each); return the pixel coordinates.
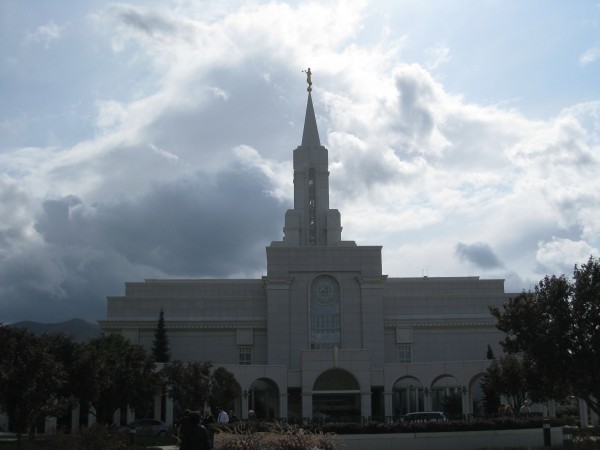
(405, 353)
(245, 356)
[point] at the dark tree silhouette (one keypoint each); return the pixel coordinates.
(160, 349)
(31, 379)
(491, 397)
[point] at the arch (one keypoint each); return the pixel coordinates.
(408, 395)
(325, 312)
(336, 394)
(446, 395)
(336, 380)
(263, 398)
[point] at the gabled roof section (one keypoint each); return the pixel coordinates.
(310, 136)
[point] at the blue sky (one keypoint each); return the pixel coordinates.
(154, 139)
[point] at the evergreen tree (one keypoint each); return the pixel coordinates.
(160, 350)
(491, 396)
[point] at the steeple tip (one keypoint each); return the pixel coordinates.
(310, 136)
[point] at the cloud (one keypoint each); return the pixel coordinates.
(479, 254)
(191, 174)
(438, 55)
(559, 256)
(590, 55)
(46, 35)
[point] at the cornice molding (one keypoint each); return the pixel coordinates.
(377, 279)
(182, 325)
(277, 282)
(441, 323)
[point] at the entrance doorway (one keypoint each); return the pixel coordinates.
(336, 395)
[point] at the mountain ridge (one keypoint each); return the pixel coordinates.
(80, 330)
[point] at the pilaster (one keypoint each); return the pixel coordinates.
(278, 319)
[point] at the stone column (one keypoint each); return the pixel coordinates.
(365, 403)
(245, 407)
(130, 414)
(278, 319)
(75, 419)
(427, 399)
(117, 417)
(91, 417)
(371, 322)
(307, 404)
(157, 406)
(283, 405)
(169, 410)
(388, 403)
(583, 414)
(466, 404)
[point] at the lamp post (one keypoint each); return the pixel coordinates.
(547, 435)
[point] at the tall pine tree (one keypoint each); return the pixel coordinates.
(160, 350)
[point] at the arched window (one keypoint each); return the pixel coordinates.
(324, 313)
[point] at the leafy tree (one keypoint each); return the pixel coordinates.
(118, 373)
(160, 349)
(30, 379)
(194, 385)
(225, 388)
(491, 397)
(452, 404)
(557, 328)
(189, 385)
(507, 376)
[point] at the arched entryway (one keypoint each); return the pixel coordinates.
(263, 398)
(336, 394)
(446, 395)
(407, 396)
(476, 397)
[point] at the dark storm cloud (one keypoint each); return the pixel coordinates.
(145, 20)
(416, 101)
(479, 254)
(197, 227)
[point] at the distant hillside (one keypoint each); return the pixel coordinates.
(78, 329)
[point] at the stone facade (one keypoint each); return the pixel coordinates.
(324, 333)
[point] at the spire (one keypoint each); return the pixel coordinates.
(310, 136)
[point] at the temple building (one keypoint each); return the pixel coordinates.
(325, 333)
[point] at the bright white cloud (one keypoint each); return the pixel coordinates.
(559, 256)
(590, 55)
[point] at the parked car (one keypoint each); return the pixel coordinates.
(430, 416)
(149, 427)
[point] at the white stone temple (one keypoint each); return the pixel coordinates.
(324, 333)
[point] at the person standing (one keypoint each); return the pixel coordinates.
(209, 422)
(194, 435)
(222, 417)
(524, 410)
